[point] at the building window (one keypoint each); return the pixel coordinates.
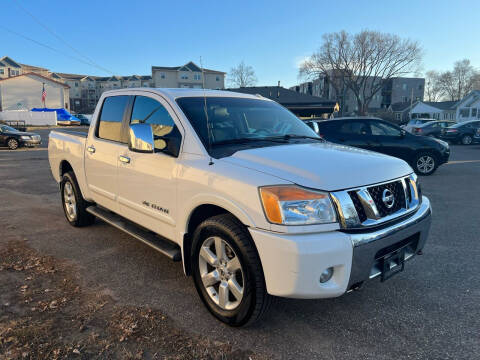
(162, 75)
(2, 72)
(464, 112)
(404, 86)
(197, 77)
(474, 112)
(184, 77)
(76, 84)
(217, 78)
(397, 116)
(420, 87)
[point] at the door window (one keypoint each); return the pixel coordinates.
(110, 123)
(383, 129)
(355, 128)
(149, 111)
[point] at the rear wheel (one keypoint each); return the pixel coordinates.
(227, 271)
(12, 144)
(467, 140)
(74, 205)
(425, 164)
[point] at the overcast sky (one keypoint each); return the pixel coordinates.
(128, 37)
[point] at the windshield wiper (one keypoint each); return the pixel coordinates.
(293, 136)
(249, 140)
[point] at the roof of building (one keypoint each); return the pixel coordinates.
(9, 62)
(400, 106)
(190, 66)
(38, 75)
(31, 67)
(284, 96)
(71, 76)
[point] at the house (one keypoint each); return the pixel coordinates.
(442, 110)
(469, 107)
(401, 111)
(187, 76)
(24, 92)
(302, 105)
(9, 68)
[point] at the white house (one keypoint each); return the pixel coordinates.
(443, 110)
(24, 92)
(469, 107)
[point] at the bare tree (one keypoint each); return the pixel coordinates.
(242, 75)
(433, 87)
(362, 62)
(460, 81)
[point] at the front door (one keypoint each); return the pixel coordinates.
(391, 140)
(102, 151)
(147, 187)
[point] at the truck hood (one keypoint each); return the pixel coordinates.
(323, 166)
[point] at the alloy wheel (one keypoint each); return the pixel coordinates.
(70, 201)
(13, 144)
(467, 140)
(221, 273)
(425, 164)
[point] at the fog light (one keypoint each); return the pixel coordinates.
(326, 275)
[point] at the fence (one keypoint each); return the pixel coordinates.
(34, 118)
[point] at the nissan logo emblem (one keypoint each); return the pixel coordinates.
(388, 198)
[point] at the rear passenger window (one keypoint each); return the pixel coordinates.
(110, 124)
(149, 111)
(354, 128)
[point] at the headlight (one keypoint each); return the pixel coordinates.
(293, 205)
(25, 137)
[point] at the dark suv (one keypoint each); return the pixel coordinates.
(424, 154)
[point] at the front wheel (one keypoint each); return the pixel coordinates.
(467, 140)
(227, 271)
(13, 144)
(425, 164)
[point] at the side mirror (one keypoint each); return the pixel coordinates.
(140, 138)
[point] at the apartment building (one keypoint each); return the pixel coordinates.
(187, 76)
(9, 68)
(395, 90)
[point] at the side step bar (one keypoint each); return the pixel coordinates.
(158, 243)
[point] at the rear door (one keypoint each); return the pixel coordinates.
(102, 151)
(353, 133)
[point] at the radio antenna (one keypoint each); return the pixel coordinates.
(209, 128)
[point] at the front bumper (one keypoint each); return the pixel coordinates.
(476, 140)
(32, 142)
(292, 263)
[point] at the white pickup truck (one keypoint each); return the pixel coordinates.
(241, 191)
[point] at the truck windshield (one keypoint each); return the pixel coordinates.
(242, 120)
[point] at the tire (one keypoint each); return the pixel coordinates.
(425, 164)
(13, 144)
(74, 205)
(238, 308)
(466, 139)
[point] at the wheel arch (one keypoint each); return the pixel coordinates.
(197, 215)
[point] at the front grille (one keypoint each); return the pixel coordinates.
(365, 206)
(376, 192)
(362, 216)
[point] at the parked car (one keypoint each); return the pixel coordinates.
(14, 138)
(16, 124)
(424, 154)
(414, 123)
(238, 188)
(83, 119)
(461, 133)
(431, 128)
(476, 138)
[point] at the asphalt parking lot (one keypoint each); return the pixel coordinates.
(430, 311)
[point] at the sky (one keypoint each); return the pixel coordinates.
(128, 37)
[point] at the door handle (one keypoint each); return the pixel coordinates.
(91, 149)
(124, 159)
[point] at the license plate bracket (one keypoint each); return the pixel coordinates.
(397, 259)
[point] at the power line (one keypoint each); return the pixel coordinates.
(44, 45)
(89, 60)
